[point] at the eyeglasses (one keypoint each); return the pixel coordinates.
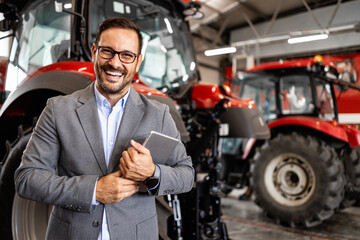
(109, 53)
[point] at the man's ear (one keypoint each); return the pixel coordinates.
(139, 62)
(93, 52)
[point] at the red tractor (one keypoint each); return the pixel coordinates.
(50, 55)
(310, 167)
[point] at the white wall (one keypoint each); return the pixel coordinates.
(209, 67)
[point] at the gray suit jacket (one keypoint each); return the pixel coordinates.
(65, 157)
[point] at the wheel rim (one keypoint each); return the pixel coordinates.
(29, 219)
(290, 179)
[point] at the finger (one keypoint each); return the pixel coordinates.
(126, 160)
(128, 194)
(125, 168)
(122, 195)
(122, 168)
(117, 174)
(134, 191)
(130, 188)
(126, 157)
(125, 181)
(140, 148)
(124, 190)
(133, 153)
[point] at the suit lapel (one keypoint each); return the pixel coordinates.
(89, 120)
(134, 110)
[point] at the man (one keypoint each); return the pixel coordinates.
(82, 157)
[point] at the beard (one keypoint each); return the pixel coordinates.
(100, 71)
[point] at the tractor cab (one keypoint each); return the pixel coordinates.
(290, 91)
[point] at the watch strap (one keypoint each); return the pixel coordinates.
(152, 183)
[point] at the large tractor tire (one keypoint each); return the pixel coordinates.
(20, 218)
(297, 180)
(352, 169)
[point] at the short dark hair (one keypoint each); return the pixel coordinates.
(119, 22)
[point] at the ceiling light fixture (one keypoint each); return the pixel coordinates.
(168, 25)
(67, 5)
(220, 51)
(307, 38)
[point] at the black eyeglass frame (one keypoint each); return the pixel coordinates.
(116, 53)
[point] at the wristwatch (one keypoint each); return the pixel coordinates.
(151, 182)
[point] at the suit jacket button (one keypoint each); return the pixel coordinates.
(95, 223)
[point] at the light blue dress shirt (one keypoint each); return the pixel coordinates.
(110, 119)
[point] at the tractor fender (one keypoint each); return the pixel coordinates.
(241, 118)
(206, 96)
(352, 133)
(59, 81)
(317, 125)
(329, 128)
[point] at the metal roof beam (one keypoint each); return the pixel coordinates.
(272, 21)
(312, 14)
(334, 13)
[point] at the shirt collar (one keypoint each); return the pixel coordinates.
(102, 103)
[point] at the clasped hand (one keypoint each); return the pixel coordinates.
(135, 165)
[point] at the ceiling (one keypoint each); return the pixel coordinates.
(223, 16)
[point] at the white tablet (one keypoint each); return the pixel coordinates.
(160, 145)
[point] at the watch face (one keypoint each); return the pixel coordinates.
(151, 182)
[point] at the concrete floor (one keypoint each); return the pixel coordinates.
(245, 221)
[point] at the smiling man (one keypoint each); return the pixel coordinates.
(116, 56)
(82, 157)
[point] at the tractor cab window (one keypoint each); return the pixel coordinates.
(324, 100)
(261, 89)
(296, 95)
(29, 51)
(168, 60)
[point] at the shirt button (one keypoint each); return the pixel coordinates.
(95, 223)
(111, 143)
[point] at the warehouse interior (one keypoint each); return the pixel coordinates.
(265, 95)
(259, 30)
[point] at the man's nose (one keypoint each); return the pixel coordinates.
(115, 61)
